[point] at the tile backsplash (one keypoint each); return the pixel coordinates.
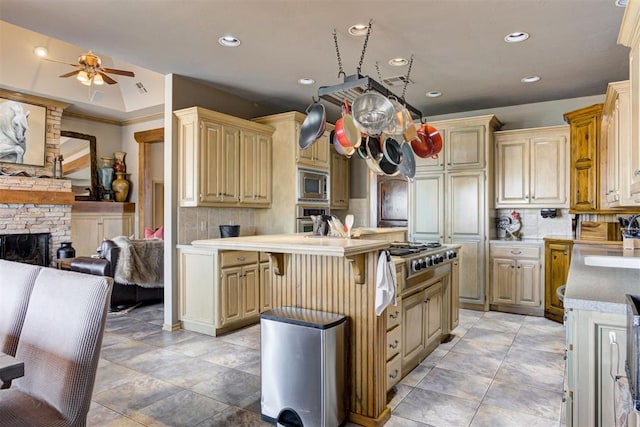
(534, 226)
(202, 223)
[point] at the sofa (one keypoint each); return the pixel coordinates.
(106, 263)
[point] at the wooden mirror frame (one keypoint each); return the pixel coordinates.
(93, 194)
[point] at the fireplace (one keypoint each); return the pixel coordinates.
(26, 248)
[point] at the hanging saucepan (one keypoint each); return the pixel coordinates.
(408, 165)
(430, 137)
(313, 125)
(374, 149)
(373, 165)
(362, 149)
(347, 133)
(422, 148)
(372, 112)
(344, 151)
(392, 151)
(388, 168)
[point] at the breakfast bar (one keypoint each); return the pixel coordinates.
(336, 275)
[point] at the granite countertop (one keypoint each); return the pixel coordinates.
(381, 230)
(600, 288)
(294, 244)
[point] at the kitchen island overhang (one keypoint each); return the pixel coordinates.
(335, 275)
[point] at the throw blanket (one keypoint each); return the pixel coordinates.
(141, 262)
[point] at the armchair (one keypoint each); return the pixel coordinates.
(123, 294)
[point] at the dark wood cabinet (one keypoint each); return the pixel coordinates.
(392, 201)
(557, 261)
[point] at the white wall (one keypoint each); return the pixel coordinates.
(108, 136)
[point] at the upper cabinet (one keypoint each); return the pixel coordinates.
(223, 160)
(532, 167)
(584, 168)
(339, 177)
(317, 155)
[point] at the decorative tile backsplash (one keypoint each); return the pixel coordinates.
(534, 226)
(202, 223)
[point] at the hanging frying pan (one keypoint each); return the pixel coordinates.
(362, 149)
(313, 125)
(374, 150)
(392, 151)
(347, 133)
(388, 168)
(343, 151)
(408, 165)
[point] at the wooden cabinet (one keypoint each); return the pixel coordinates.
(240, 292)
(515, 278)
(426, 208)
(532, 168)
(339, 176)
(584, 172)
(557, 258)
(92, 222)
(394, 343)
(315, 156)
(265, 284)
(392, 201)
(223, 160)
(591, 358)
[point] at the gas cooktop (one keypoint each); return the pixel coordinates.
(410, 248)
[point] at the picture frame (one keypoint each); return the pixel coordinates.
(22, 132)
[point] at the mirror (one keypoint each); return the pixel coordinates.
(79, 163)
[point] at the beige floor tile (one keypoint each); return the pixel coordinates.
(466, 386)
(436, 409)
(525, 398)
(493, 416)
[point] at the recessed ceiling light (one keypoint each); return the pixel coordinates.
(434, 94)
(530, 79)
(398, 62)
(358, 30)
(41, 51)
(621, 3)
(517, 37)
(229, 41)
(306, 81)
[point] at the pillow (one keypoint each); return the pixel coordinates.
(158, 234)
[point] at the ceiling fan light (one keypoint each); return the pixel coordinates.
(83, 77)
(97, 79)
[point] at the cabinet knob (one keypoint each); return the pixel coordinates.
(637, 172)
(241, 258)
(516, 252)
(394, 375)
(526, 196)
(426, 301)
(395, 344)
(394, 315)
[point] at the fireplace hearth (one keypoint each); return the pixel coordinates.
(26, 248)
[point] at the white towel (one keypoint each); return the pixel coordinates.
(385, 282)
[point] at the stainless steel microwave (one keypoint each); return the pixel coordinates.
(312, 185)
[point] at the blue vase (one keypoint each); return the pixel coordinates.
(106, 173)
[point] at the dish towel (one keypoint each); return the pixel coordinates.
(385, 282)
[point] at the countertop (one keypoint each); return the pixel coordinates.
(523, 242)
(600, 288)
(294, 244)
(381, 230)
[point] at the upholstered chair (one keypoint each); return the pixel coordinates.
(16, 284)
(60, 346)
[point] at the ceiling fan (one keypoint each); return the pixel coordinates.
(90, 70)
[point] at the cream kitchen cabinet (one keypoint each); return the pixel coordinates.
(265, 282)
(590, 359)
(532, 167)
(317, 155)
(220, 291)
(339, 177)
(394, 343)
(223, 160)
(515, 279)
(92, 222)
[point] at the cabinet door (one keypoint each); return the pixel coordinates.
(250, 291)
(466, 207)
(426, 217)
(116, 225)
(228, 168)
(231, 294)
(557, 261)
(430, 163)
(434, 315)
(211, 162)
(634, 77)
(548, 171)
(513, 171)
(455, 295)
(465, 147)
(472, 270)
(392, 201)
(528, 283)
(250, 161)
(414, 320)
(86, 233)
(265, 286)
(339, 177)
(585, 138)
(322, 151)
(503, 279)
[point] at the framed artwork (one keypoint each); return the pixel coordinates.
(22, 132)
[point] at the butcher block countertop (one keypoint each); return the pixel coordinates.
(294, 244)
(600, 288)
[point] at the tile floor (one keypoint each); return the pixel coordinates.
(500, 370)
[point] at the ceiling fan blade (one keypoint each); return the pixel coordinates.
(72, 73)
(107, 79)
(120, 72)
(60, 62)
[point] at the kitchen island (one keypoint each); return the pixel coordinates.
(596, 325)
(335, 275)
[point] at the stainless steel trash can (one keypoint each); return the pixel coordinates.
(303, 367)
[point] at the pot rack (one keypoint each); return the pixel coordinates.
(356, 84)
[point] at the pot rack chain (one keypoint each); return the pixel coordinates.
(364, 46)
(335, 41)
(406, 80)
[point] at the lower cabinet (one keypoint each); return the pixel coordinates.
(557, 258)
(222, 291)
(394, 344)
(515, 279)
(591, 360)
(92, 222)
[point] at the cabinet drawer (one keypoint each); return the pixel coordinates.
(394, 371)
(232, 258)
(393, 341)
(264, 257)
(515, 251)
(394, 315)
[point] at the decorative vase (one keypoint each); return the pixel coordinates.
(65, 251)
(106, 177)
(120, 187)
(119, 165)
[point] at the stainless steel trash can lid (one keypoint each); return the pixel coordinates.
(304, 317)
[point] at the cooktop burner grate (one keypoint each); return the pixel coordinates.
(409, 248)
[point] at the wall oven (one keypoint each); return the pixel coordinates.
(304, 224)
(312, 186)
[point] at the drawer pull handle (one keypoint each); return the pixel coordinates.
(395, 344)
(516, 252)
(241, 258)
(394, 375)
(394, 315)
(637, 172)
